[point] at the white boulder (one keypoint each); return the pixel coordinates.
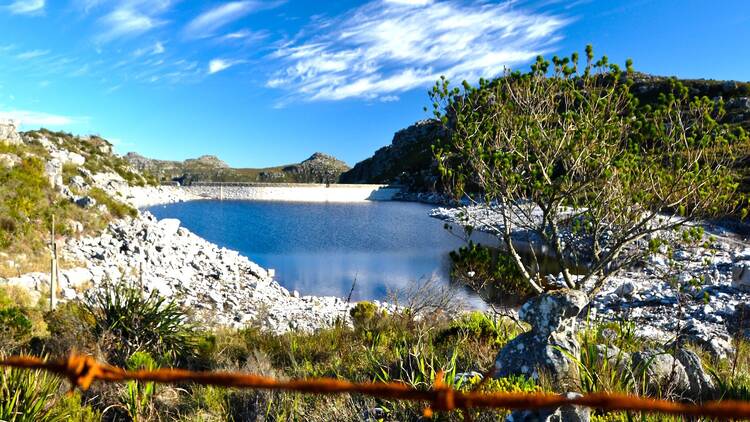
(9, 132)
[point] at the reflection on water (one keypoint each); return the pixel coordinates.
(320, 249)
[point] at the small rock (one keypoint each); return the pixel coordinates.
(85, 202)
(9, 160)
(741, 275)
(627, 290)
(78, 182)
(568, 413)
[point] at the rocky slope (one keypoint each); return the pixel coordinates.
(408, 160)
(699, 290)
(319, 168)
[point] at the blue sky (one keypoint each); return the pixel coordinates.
(263, 83)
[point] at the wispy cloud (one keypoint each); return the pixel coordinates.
(26, 7)
(246, 36)
(156, 48)
(128, 18)
(28, 55)
(410, 2)
(389, 46)
(210, 21)
(218, 65)
(36, 118)
(126, 22)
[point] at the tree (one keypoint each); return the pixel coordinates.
(569, 163)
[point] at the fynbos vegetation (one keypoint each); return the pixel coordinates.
(566, 154)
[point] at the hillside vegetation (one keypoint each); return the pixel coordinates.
(34, 187)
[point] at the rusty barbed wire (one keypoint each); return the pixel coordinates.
(82, 371)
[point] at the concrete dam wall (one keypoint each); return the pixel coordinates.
(294, 192)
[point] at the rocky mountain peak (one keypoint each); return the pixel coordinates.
(207, 161)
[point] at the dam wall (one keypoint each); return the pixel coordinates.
(294, 192)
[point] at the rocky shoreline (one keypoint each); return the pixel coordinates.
(699, 292)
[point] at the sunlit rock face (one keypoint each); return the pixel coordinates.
(9, 132)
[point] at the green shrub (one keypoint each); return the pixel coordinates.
(134, 322)
(138, 395)
(70, 328)
(29, 396)
(476, 325)
(14, 324)
(116, 208)
(73, 407)
(492, 274)
(367, 317)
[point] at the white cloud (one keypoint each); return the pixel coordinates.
(126, 22)
(33, 54)
(389, 46)
(238, 35)
(35, 118)
(26, 7)
(217, 65)
(246, 36)
(208, 22)
(410, 2)
(158, 48)
(129, 18)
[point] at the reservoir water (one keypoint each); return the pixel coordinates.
(321, 248)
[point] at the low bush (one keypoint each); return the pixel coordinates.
(491, 274)
(71, 328)
(127, 321)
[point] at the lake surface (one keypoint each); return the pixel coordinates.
(321, 248)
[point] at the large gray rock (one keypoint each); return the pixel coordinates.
(701, 384)
(681, 375)
(661, 372)
(54, 170)
(68, 157)
(546, 349)
(169, 226)
(76, 277)
(9, 132)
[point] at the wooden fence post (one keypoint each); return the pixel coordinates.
(53, 270)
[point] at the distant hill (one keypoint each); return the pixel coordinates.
(319, 168)
(409, 161)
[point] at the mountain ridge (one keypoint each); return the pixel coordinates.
(318, 168)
